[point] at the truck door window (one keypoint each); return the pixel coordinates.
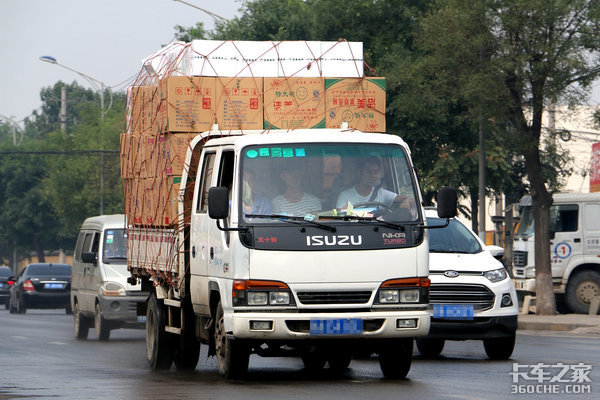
(564, 218)
(206, 179)
(226, 170)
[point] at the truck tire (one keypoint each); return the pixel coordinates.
(430, 348)
(499, 348)
(187, 346)
(395, 358)
(581, 289)
(81, 324)
(159, 344)
(232, 356)
(101, 325)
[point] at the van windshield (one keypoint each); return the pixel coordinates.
(327, 182)
(114, 246)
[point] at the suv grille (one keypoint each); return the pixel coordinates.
(480, 296)
(334, 297)
(519, 258)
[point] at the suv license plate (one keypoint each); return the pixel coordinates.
(453, 311)
(348, 326)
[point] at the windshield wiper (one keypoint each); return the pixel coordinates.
(292, 220)
(363, 219)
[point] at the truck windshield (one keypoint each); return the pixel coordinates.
(114, 246)
(526, 227)
(323, 181)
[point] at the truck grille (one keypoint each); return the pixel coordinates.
(480, 296)
(334, 297)
(519, 258)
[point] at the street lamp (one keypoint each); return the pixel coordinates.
(212, 14)
(100, 87)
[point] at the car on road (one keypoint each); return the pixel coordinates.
(6, 279)
(471, 294)
(41, 285)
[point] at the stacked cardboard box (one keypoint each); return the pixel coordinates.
(170, 108)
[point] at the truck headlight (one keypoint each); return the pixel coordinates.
(261, 293)
(112, 289)
(403, 290)
(257, 298)
(409, 296)
(389, 296)
(279, 298)
(530, 272)
(496, 275)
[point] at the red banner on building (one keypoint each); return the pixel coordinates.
(595, 168)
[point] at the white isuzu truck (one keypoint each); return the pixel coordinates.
(574, 246)
(276, 256)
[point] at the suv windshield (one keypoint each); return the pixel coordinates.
(455, 238)
(114, 246)
(324, 181)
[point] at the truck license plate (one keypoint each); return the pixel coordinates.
(453, 311)
(348, 326)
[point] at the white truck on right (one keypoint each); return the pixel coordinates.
(574, 246)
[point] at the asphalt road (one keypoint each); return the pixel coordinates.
(40, 358)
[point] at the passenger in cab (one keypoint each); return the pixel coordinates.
(294, 201)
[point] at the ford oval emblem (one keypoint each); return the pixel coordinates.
(451, 274)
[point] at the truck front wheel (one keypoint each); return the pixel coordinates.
(581, 290)
(159, 348)
(232, 356)
(430, 348)
(395, 358)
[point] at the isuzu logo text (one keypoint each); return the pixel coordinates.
(337, 240)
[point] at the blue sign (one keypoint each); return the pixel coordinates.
(562, 250)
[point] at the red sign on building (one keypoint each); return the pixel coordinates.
(595, 168)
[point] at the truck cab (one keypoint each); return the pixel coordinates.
(574, 246)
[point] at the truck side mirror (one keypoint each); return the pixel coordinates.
(218, 202)
(447, 199)
(88, 257)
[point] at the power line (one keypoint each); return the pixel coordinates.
(63, 152)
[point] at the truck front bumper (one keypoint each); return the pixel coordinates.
(297, 326)
(524, 285)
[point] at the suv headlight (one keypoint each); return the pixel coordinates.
(112, 289)
(496, 275)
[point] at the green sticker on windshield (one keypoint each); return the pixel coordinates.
(251, 153)
(288, 152)
(300, 153)
(263, 152)
(276, 152)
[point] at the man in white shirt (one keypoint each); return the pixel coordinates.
(363, 192)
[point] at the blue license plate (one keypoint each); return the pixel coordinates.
(348, 326)
(141, 318)
(2, 285)
(453, 311)
(53, 285)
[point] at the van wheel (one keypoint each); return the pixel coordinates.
(187, 346)
(232, 356)
(581, 290)
(395, 358)
(101, 325)
(430, 348)
(159, 344)
(81, 324)
(499, 348)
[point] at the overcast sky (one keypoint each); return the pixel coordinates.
(105, 39)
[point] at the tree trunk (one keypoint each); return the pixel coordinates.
(39, 250)
(474, 210)
(545, 301)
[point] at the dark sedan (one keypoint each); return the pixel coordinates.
(41, 285)
(5, 283)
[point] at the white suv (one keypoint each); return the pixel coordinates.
(471, 294)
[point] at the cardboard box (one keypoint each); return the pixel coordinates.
(240, 103)
(186, 104)
(292, 103)
(359, 102)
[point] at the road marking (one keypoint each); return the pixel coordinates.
(20, 337)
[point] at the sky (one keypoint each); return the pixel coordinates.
(105, 39)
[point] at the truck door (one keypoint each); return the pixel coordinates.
(199, 232)
(219, 261)
(566, 224)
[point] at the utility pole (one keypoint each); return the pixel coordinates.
(63, 110)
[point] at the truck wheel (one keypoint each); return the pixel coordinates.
(159, 348)
(581, 290)
(187, 346)
(430, 348)
(101, 325)
(499, 348)
(81, 324)
(395, 358)
(232, 356)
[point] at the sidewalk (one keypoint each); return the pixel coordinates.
(573, 323)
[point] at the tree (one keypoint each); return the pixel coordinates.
(535, 53)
